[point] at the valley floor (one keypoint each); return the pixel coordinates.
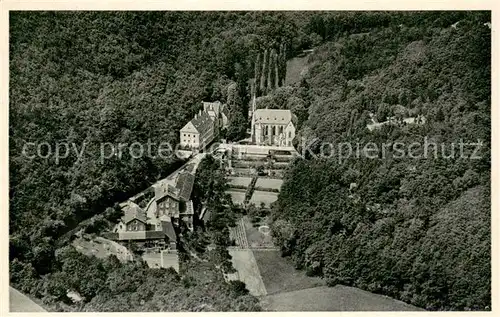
(281, 287)
(338, 298)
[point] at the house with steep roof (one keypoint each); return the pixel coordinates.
(273, 127)
(135, 227)
(173, 201)
(199, 132)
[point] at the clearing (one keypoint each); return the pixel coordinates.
(101, 248)
(295, 69)
(279, 275)
(337, 298)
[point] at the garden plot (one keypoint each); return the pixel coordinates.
(259, 197)
(258, 235)
(239, 181)
(238, 197)
(269, 183)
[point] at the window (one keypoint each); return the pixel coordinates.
(289, 134)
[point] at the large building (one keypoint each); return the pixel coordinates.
(273, 127)
(205, 126)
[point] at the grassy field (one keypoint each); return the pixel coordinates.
(338, 298)
(294, 68)
(269, 183)
(239, 181)
(248, 271)
(279, 275)
(266, 197)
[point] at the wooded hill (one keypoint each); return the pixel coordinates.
(414, 229)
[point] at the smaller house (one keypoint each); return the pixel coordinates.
(135, 227)
(173, 201)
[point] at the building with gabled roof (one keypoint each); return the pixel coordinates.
(157, 226)
(199, 132)
(205, 126)
(273, 127)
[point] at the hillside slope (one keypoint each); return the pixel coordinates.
(411, 223)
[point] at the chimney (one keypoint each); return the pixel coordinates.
(196, 116)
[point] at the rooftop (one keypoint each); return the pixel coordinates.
(133, 211)
(201, 122)
(272, 116)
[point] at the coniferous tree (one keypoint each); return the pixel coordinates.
(272, 70)
(257, 74)
(263, 80)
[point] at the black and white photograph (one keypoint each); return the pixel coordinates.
(249, 161)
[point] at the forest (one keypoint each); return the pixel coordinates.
(414, 229)
(94, 77)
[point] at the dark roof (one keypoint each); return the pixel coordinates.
(133, 211)
(202, 122)
(168, 230)
(140, 235)
(165, 189)
(212, 106)
(181, 191)
(184, 185)
(155, 235)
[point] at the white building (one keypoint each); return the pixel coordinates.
(205, 126)
(273, 127)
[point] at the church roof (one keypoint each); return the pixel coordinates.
(272, 116)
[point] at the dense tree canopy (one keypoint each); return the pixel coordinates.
(414, 229)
